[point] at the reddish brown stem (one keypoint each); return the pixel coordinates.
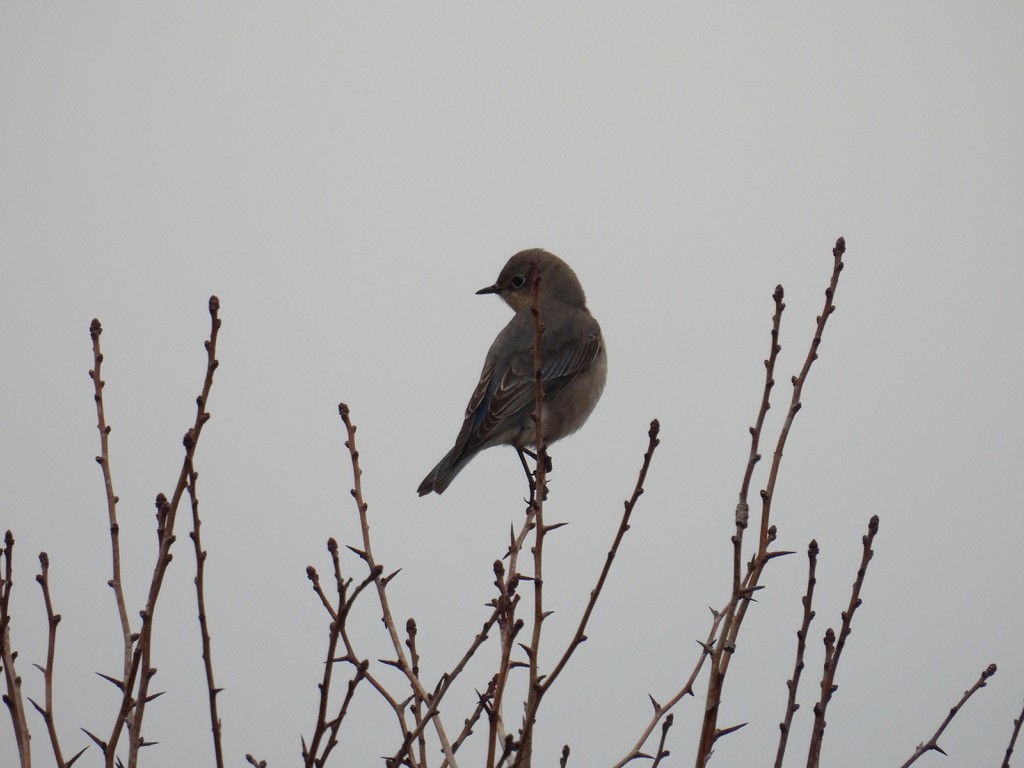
(801, 644)
(832, 657)
(204, 630)
(725, 646)
(12, 681)
(127, 641)
(932, 745)
(141, 666)
(52, 620)
(380, 582)
(662, 710)
(1013, 739)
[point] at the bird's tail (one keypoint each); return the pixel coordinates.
(441, 476)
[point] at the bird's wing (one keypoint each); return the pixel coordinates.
(505, 395)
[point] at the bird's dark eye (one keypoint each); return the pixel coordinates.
(518, 281)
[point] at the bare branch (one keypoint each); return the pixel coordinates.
(629, 505)
(95, 329)
(932, 745)
(52, 620)
(204, 630)
(801, 643)
(828, 686)
(1013, 739)
(140, 664)
(661, 710)
(12, 681)
(725, 646)
(381, 585)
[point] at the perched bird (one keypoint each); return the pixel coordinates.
(573, 367)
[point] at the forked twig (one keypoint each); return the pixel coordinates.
(663, 710)
(314, 754)
(166, 515)
(509, 626)
(138, 648)
(52, 620)
(725, 645)
(442, 687)
(933, 743)
(380, 582)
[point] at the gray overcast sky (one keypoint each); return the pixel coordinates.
(345, 176)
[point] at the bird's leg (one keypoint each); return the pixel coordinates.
(526, 468)
(532, 455)
(531, 477)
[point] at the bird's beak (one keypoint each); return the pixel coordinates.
(488, 289)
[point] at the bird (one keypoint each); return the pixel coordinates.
(574, 367)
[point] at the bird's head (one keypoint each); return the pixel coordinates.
(557, 280)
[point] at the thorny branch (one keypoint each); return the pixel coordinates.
(312, 754)
(138, 648)
(52, 620)
(422, 706)
(725, 646)
(166, 514)
(933, 743)
(380, 582)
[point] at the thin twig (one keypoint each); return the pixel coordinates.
(828, 686)
(483, 701)
(769, 383)
(662, 710)
(579, 636)
(12, 698)
(417, 702)
(204, 630)
(1013, 739)
(933, 743)
(801, 644)
(52, 620)
(509, 626)
(127, 641)
(662, 753)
